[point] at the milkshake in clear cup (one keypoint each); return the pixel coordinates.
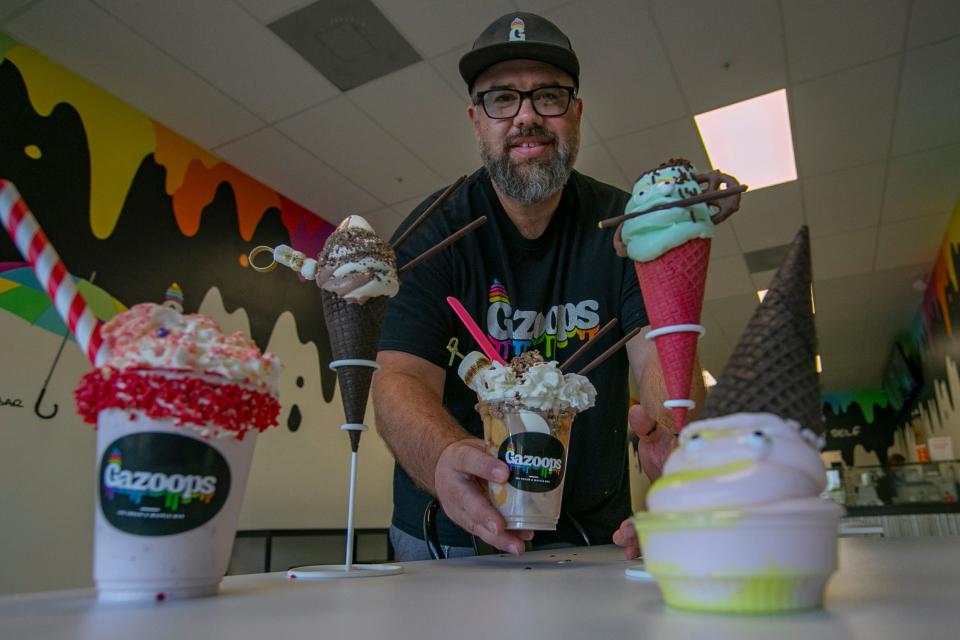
(177, 407)
(528, 408)
(534, 445)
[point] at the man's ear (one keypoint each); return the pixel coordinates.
(579, 108)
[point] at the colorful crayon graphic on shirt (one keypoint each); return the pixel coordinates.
(514, 331)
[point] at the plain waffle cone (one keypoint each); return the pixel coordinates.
(354, 331)
(672, 287)
(772, 369)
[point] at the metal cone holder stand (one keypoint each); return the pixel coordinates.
(348, 569)
(677, 328)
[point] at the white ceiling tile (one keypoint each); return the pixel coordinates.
(732, 314)
(933, 20)
(383, 221)
(288, 168)
(910, 242)
(722, 57)
(727, 277)
(267, 11)
(596, 162)
(825, 36)
(843, 294)
(418, 107)
(434, 26)
(405, 208)
(929, 98)
(447, 65)
(621, 64)
(724, 242)
(895, 290)
(644, 150)
(96, 46)
(761, 279)
(231, 50)
(344, 137)
(922, 184)
(844, 119)
(844, 200)
(844, 254)
(9, 7)
(768, 217)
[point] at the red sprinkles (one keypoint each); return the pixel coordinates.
(187, 399)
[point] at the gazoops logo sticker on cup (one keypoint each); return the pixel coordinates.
(156, 484)
(536, 461)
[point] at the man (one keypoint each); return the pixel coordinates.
(538, 275)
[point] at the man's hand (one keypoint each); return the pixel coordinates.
(655, 441)
(626, 537)
(460, 480)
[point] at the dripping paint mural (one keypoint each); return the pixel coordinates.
(935, 343)
(921, 394)
(122, 195)
(866, 418)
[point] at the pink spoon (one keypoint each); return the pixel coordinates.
(474, 330)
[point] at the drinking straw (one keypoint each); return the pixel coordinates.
(703, 197)
(52, 274)
(589, 343)
(609, 352)
(474, 330)
(443, 244)
(426, 214)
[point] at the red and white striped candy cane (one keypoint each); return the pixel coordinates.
(51, 272)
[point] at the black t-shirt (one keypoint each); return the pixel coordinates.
(550, 294)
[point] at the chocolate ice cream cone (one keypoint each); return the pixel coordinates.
(773, 369)
(354, 330)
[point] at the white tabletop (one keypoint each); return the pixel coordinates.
(886, 588)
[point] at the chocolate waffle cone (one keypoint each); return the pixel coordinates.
(772, 369)
(354, 331)
(672, 287)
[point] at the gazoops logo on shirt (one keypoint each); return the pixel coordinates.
(514, 331)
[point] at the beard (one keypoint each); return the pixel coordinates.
(531, 181)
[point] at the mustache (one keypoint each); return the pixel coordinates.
(527, 132)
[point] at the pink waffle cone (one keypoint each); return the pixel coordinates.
(672, 287)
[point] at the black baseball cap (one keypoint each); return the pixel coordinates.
(516, 36)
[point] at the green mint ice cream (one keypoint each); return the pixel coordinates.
(650, 235)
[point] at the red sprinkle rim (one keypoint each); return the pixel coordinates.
(223, 406)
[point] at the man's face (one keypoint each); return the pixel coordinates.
(528, 156)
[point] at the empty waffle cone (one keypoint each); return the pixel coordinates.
(672, 287)
(773, 369)
(354, 331)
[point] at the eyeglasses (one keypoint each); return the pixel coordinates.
(500, 104)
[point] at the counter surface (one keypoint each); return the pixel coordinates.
(885, 588)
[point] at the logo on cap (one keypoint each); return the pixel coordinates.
(516, 29)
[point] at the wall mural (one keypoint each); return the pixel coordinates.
(121, 195)
(921, 395)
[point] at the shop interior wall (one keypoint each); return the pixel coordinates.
(866, 426)
(120, 195)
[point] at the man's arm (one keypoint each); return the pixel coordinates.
(437, 453)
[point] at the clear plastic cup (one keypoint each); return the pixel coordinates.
(167, 505)
(533, 443)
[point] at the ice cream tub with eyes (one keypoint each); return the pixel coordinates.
(736, 523)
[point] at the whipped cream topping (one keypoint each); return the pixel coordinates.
(160, 337)
(741, 460)
(530, 380)
(356, 264)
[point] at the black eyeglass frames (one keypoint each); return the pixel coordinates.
(548, 101)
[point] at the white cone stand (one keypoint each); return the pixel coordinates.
(348, 569)
(677, 328)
